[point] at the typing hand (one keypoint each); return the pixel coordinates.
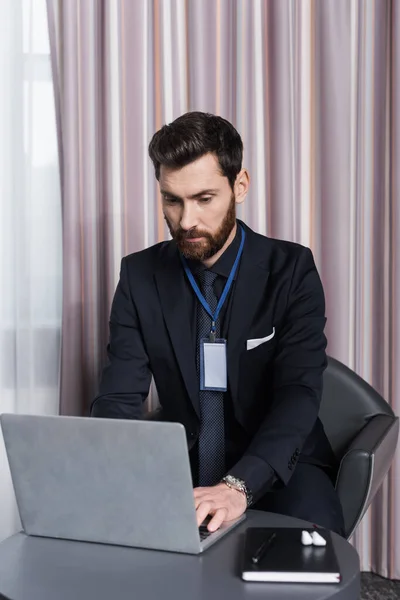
(219, 501)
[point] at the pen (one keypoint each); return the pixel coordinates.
(262, 549)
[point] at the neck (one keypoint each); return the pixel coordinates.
(213, 259)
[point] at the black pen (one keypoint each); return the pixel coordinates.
(262, 549)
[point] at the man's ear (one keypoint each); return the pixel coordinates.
(241, 186)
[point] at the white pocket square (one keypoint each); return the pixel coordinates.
(251, 344)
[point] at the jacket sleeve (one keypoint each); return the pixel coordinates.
(298, 367)
(126, 379)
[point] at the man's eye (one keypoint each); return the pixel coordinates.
(205, 199)
(170, 200)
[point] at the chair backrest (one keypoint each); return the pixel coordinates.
(348, 402)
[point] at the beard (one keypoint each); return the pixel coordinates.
(211, 242)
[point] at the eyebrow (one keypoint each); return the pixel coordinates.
(209, 192)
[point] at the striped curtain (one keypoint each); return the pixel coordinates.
(314, 89)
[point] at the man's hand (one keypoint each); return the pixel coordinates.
(220, 501)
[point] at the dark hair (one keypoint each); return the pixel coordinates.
(191, 136)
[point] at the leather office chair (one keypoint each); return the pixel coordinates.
(363, 432)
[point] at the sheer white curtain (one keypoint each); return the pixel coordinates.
(30, 227)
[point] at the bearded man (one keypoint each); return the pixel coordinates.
(230, 324)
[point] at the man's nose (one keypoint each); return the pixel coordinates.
(189, 217)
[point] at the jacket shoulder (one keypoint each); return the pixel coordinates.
(278, 251)
(147, 261)
(290, 249)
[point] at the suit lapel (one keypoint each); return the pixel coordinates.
(249, 288)
(172, 291)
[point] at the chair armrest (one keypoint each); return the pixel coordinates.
(364, 466)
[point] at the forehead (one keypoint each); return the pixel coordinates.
(203, 173)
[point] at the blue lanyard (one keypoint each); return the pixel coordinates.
(227, 287)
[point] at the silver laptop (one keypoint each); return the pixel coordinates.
(105, 480)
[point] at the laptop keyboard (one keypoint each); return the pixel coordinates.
(204, 533)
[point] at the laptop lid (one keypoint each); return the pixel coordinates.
(103, 480)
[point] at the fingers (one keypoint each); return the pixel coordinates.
(208, 508)
(217, 520)
(219, 502)
(202, 503)
(202, 511)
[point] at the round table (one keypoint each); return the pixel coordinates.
(34, 568)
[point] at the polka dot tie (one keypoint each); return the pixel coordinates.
(211, 437)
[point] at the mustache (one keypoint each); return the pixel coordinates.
(183, 235)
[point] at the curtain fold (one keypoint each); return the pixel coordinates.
(313, 88)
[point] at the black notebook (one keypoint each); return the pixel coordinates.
(286, 559)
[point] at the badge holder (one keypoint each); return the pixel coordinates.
(213, 371)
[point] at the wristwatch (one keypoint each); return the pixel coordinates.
(238, 484)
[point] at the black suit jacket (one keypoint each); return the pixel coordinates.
(275, 387)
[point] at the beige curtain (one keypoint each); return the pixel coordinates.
(314, 88)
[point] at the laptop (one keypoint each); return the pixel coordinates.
(108, 481)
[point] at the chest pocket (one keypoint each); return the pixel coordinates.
(267, 341)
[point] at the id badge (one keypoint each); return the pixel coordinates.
(213, 371)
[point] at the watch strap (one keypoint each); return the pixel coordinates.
(239, 485)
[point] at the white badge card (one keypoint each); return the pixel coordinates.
(213, 371)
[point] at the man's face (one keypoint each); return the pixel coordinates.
(199, 207)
